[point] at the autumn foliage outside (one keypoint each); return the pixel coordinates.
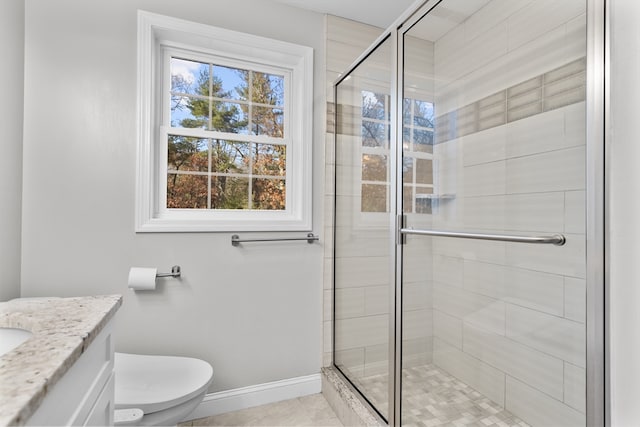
(215, 171)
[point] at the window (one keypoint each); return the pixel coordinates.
(238, 158)
(417, 144)
(376, 123)
(417, 140)
(224, 130)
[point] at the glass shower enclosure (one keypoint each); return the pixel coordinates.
(467, 256)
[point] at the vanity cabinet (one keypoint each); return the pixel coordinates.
(84, 396)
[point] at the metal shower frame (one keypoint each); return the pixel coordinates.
(597, 277)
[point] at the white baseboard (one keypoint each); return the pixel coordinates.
(256, 395)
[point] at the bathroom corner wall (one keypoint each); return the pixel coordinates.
(254, 312)
(345, 41)
(11, 114)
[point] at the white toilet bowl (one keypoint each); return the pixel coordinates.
(158, 390)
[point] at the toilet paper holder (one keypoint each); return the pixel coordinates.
(175, 272)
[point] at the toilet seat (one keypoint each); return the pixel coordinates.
(164, 388)
(156, 383)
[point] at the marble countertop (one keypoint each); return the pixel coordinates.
(62, 329)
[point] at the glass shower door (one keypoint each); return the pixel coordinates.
(363, 233)
(493, 181)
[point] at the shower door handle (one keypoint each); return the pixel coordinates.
(555, 239)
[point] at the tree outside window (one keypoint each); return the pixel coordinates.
(218, 171)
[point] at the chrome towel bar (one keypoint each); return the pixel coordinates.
(556, 239)
(236, 240)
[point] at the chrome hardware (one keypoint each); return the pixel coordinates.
(236, 240)
(556, 239)
(175, 272)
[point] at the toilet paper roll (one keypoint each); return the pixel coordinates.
(142, 279)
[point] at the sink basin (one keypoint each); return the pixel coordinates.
(10, 338)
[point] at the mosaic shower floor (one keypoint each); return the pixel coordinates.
(432, 397)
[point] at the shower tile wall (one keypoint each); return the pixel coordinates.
(363, 242)
(417, 284)
(509, 318)
(345, 41)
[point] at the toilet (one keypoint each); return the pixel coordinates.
(158, 390)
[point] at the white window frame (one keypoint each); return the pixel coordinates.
(157, 34)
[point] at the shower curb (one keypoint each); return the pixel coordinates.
(351, 411)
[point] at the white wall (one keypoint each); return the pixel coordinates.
(11, 74)
(253, 312)
(624, 213)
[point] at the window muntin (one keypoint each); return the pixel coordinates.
(417, 168)
(226, 99)
(217, 103)
(221, 174)
(417, 143)
(376, 124)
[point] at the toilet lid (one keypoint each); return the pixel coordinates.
(154, 383)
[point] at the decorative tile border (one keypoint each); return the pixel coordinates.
(331, 118)
(557, 88)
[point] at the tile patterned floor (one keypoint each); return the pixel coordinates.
(432, 397)
(310, 410)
